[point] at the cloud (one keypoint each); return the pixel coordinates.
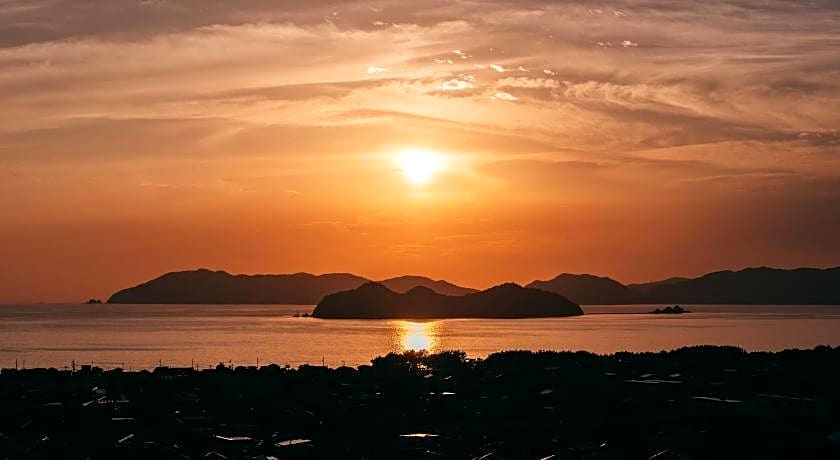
(729, 111)
(703, 79)
(505, 96)
(526, 82)
(456, 85)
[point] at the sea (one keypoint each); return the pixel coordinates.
(136, 337)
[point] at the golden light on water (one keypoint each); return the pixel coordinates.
(417, 336)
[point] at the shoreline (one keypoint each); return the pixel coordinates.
(100, 367)
(129, 367)
(140, 337)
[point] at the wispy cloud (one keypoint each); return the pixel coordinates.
(456, 85)
(505, 96)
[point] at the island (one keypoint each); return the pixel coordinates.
(675, 310)
(205, 286)
(405, 283)
(802, 286)
(750, 286)
(93, 302)
(588, 289)
(509, 300)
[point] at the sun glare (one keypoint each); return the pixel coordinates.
(417, 336)
(419, 166)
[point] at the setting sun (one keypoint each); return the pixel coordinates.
(419, 166)
(378, 228)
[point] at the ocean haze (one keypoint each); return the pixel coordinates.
(144, 335)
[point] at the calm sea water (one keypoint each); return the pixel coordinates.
(142, 336)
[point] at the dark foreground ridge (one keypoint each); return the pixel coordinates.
(692, 403)
(373, 300)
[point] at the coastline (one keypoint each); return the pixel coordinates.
(142, 335)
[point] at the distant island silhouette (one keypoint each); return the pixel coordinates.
(216, 287)
(675, 310)
(753, 286)
(749, 286)
(405, 283)
(374, 300)
(204, 286)
(762, 285)
(587, 289)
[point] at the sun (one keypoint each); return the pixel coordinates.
(420, 166)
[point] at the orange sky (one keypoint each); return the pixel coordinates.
(637, 140)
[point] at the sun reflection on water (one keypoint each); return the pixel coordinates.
(417, 336)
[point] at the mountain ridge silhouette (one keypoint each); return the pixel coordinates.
(402, 284)
(758, 285)
(205, 286)
(509, 300)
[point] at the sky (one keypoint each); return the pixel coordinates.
(633, 139)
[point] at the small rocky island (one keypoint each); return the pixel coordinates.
(675, 310)
(373, 300)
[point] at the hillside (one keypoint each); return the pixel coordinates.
(754, 286)
(373, 300)
(217, 287)
(403, 284)
(587, 289)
